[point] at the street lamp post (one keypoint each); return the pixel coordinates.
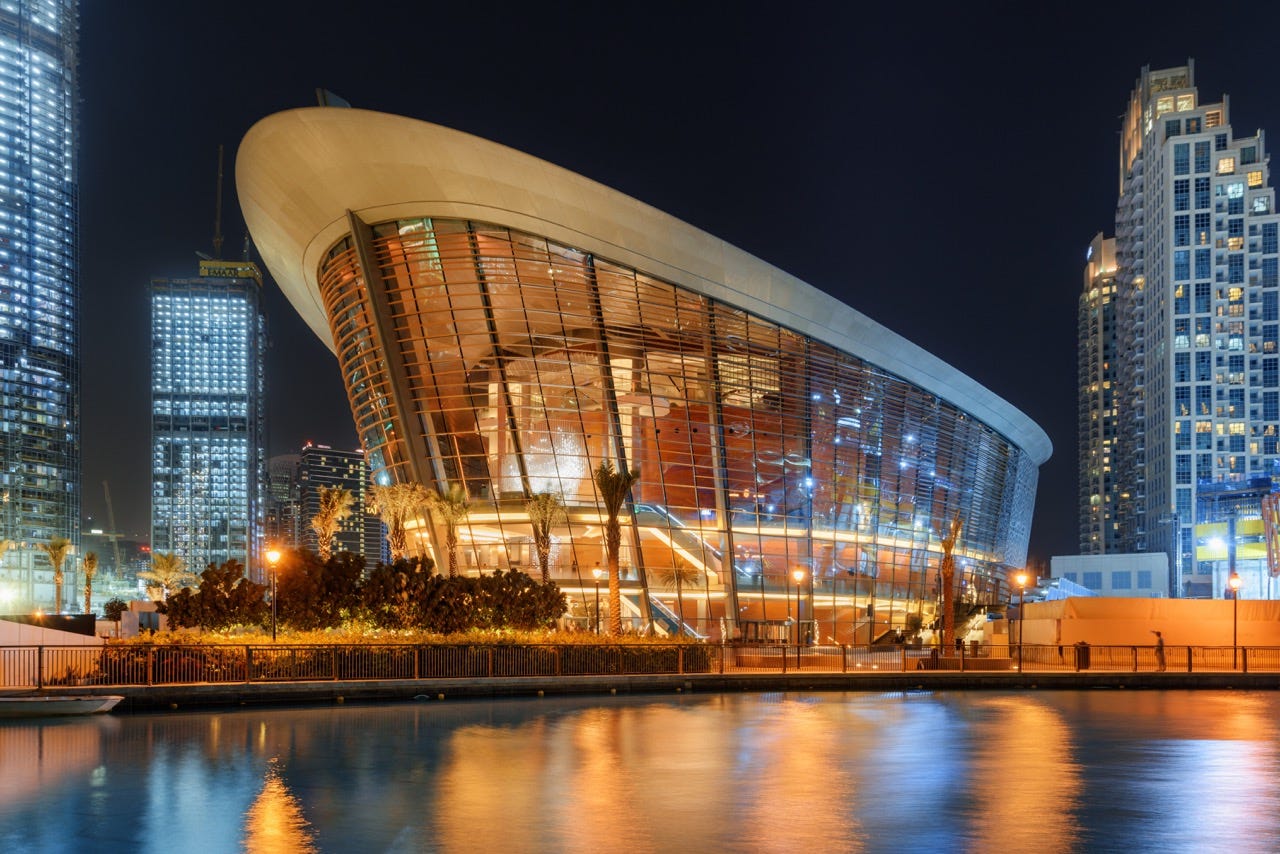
(798, 575)
(1022, 579)
(1234, 583)
(598, 574)
(273, 558)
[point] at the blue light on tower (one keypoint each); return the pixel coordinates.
(39, 338)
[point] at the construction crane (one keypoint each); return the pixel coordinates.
(217, 213)
(113, 533)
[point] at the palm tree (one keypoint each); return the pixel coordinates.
(948, 573)
(90, 570)
(395, 504)
(335, 505)
(545, 510)
(452, 506)
(677, 576)
(167, 572)
(613, 486)
(56, 549)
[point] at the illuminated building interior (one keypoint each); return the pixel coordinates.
(515, 361)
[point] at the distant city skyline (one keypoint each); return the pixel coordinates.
(946, 191)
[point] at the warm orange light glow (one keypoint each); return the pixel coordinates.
(275, 821)
(598, 573)
(1234, 581)
(798, 574)
(273, 556)
(1022, 579)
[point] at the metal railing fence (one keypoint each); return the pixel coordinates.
(159, 664)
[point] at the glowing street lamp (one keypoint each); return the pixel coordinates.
(273, 558)
(598, 574)
(1021, 578)
(1234, 583)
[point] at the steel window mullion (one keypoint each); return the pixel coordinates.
(720, 473)
(615, 422)
(384, 334)
(500, 361)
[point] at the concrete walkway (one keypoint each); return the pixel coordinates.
(202, 695)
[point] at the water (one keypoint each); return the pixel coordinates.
(1044, 771)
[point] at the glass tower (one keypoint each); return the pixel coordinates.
(1198, 328)
(39, 336)
(283, 513)
(1096, 366)
(208, 457)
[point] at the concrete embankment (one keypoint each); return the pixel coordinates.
(200, 695)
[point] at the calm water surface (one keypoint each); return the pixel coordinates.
(1046, 771)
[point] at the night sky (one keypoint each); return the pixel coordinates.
(942, 175)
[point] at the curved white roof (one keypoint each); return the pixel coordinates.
(300, 171)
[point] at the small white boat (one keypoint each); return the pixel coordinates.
(49, 705)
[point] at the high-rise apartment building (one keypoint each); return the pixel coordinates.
(39, 336)
(1096, 367)
(1198, 330)
(283, 527)
(208, 457)
(321, 466)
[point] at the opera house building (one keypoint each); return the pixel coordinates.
(505, 324)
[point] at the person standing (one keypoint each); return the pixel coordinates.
(1159, 651)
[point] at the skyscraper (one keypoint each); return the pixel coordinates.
(283, 528)
(1096, 365)
(1198, 327)
(208, 454)
(39, 336)
(322, 466)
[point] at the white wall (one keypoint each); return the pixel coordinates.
(1074, 567)
(20, 634)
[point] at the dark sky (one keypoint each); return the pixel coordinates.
(941, 174)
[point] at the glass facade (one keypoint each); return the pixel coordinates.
(39, 335)
(208, 459)
(479, 354)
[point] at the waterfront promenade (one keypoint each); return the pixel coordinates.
(166, 676)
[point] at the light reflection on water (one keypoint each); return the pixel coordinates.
(963, 771)
(275, 821)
